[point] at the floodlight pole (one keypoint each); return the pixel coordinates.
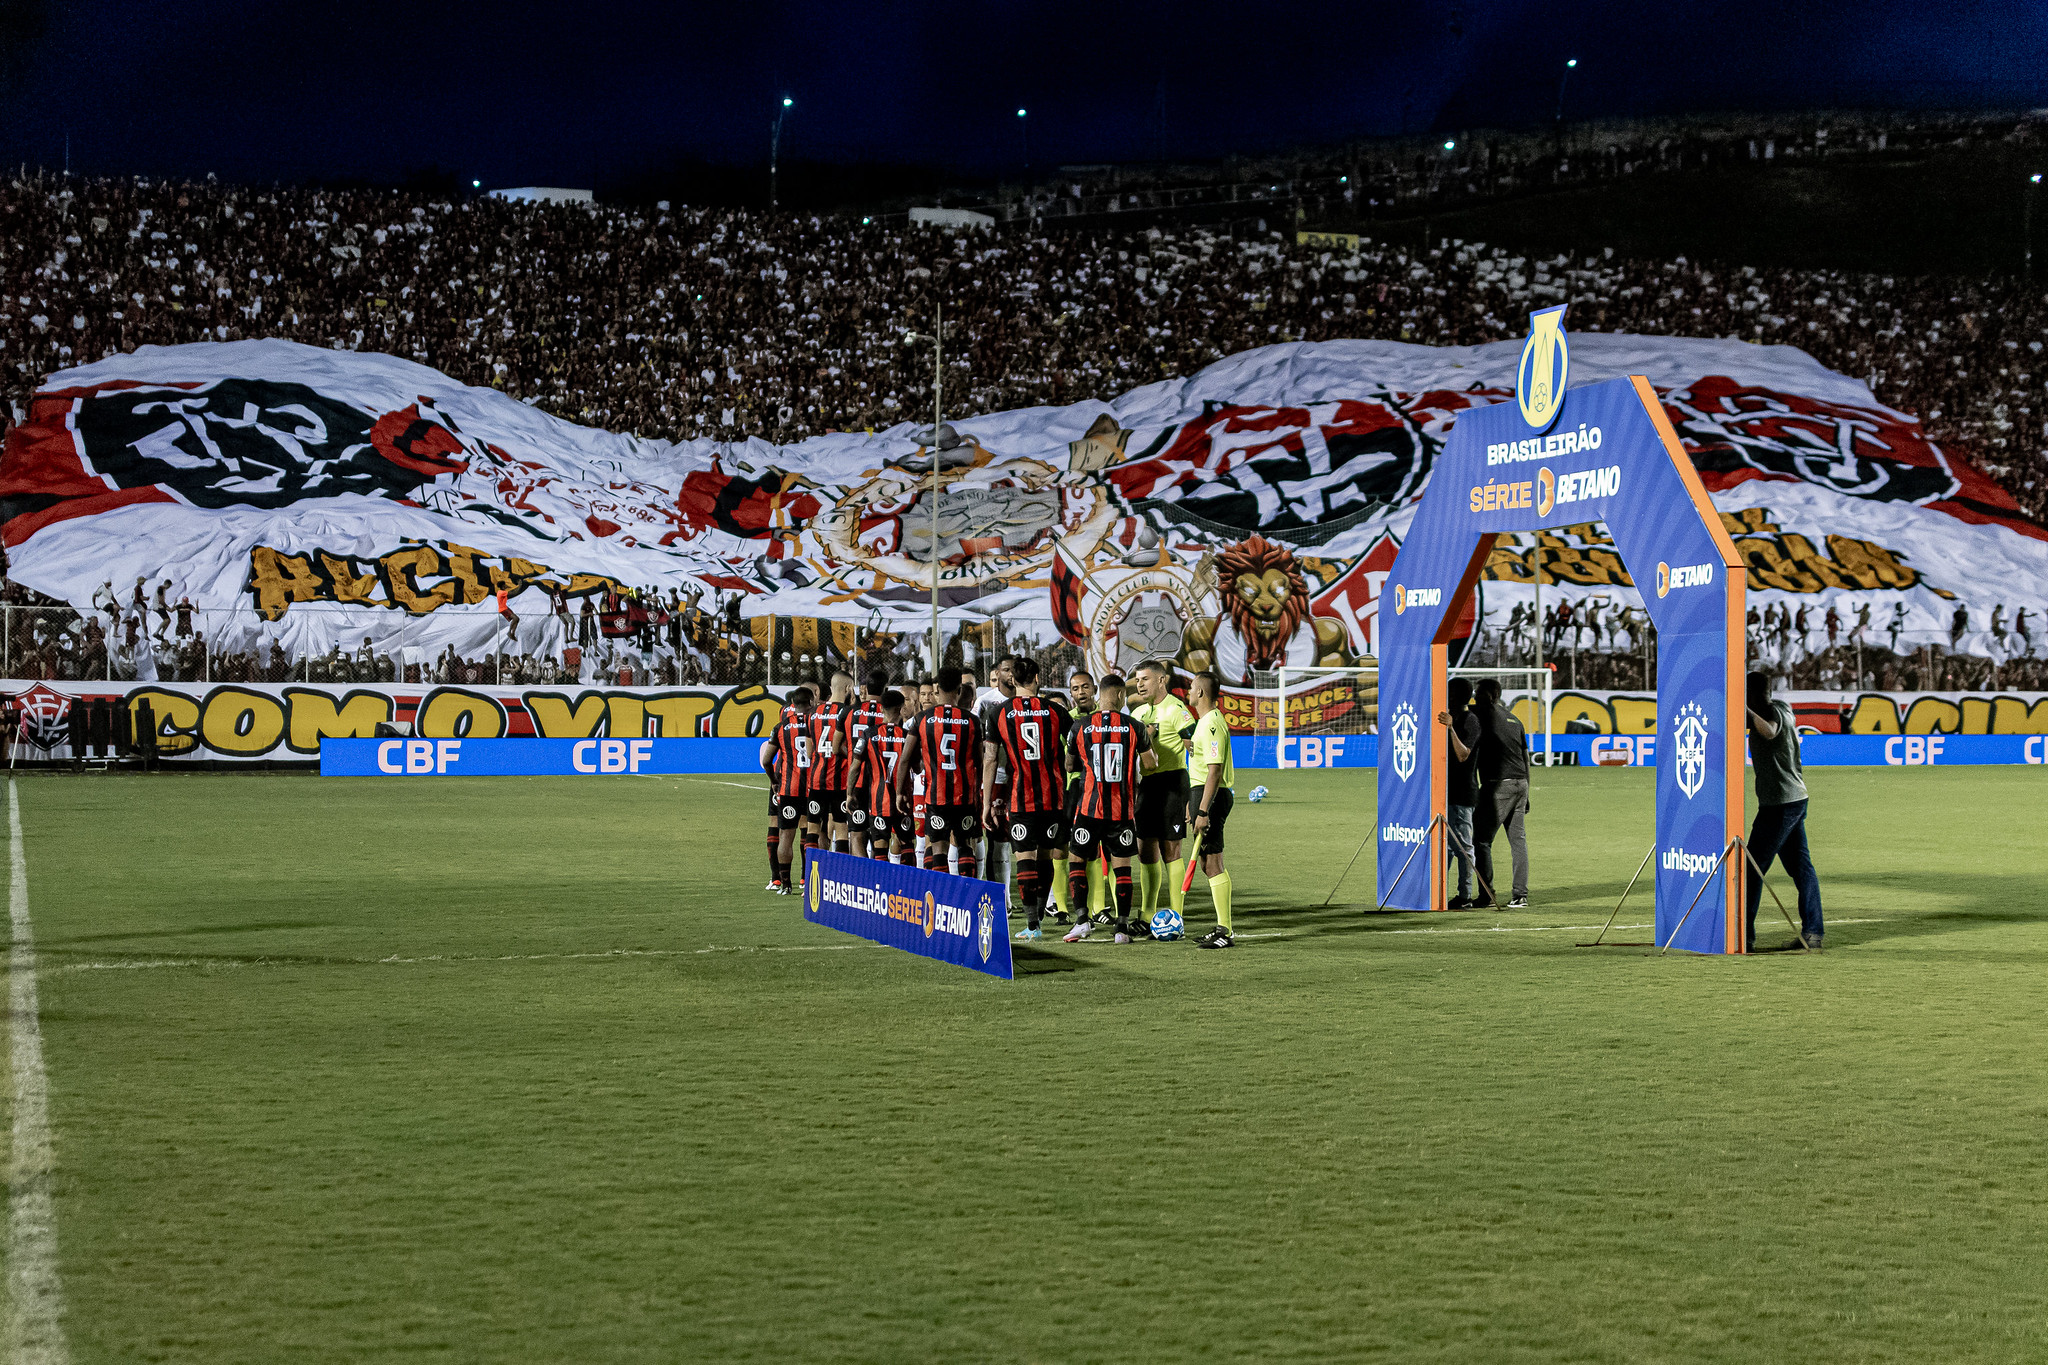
(938, 406)
(775, 148)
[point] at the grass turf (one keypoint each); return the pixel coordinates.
(531, 1070)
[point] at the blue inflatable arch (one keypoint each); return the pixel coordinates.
(1557, 457)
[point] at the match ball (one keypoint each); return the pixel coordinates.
(1258, 794)
(1167, 925)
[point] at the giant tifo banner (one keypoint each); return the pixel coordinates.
(286, 722)
(1242, 518)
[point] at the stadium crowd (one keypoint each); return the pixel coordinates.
(702, 323)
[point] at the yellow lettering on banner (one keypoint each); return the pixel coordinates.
(462, 567)
(278, 580)
(1933, 716)
(401, 568)
(1634, 715)
(1748, 521)
(1571, 706)
(347, 584)
(681, 715)
(1770, 568)
(628, 716)
(555, 717)
(452, 713)
(1976, 715)
(1874, 716)
(747, 712)
(177, 719)
(2012, 716)
(240, 723)
(312, 716)
(1866, 564)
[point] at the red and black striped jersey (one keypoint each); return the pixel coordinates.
(857, 720)
(1030, 735)
(1106, 748)
(828, 754)
(792, 756)
(875, 756)
(949, 755)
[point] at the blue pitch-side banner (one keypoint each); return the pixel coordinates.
(1600, 453)
(934, 914)
(526, 757)
(1836, 751)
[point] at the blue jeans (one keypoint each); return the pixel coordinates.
(1780, 832)
(1461, 846)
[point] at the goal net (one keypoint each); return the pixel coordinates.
(1298, 712)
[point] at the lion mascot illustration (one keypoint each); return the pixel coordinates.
(1265, 622)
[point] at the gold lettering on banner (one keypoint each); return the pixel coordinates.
(456, 713)
(313, 716)
(240, 723)
(278, 579)
(556, 717)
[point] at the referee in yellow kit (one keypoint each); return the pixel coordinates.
(1209, 757)
(1163, 794)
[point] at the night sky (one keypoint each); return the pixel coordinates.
(582, 95)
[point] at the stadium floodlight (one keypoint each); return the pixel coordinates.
(787, 101)
(1020, 113)
(1571, 63)
(478, 184)
(1450, 144)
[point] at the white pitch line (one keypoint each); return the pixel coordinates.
(714, 782)
(35, 1326)
(212, 964)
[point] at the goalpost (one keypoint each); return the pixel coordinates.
(1344, 700)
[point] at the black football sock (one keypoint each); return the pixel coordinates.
(906, 857)
(1123, 898)
(839, 846)
(1077, 888)
(774, 847)
(934, 857)
(1031, 892)
(782, 873)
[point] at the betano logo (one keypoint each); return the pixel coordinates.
(1546, 491)
(1405, 598)
(1539, 379)
(1685, 576)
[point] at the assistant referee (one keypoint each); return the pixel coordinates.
(1163, 794)
(1209, 757)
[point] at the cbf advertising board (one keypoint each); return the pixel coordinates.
(960, 920)
(1605, 452)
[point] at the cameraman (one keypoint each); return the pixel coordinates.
(1780, 828)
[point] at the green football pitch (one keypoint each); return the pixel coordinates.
(533, 1070)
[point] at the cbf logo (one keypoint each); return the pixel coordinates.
(1404, 731)
(1539, 380)
(985, 928)
(1689, 744)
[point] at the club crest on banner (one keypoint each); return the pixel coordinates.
(1539, 380)
(44, 717)
(1405, 732)
(1689, 745)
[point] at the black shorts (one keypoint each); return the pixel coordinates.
(824, 805)
(786, 812)
(960, 820)
(1163, 806)
(1090, 837)
(1219, 811)
(1030, 831)
(861, 821)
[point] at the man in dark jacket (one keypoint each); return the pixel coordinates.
(1461, 728)
(1503, 790)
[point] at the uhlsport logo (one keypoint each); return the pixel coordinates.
(985, 928)
(1689, 744)
(1684, 576)
(1546, 491)
(1404, 731)
(1405, 598)
(1539, 380)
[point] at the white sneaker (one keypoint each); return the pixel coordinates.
(1080, 931)
(1123, 938)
